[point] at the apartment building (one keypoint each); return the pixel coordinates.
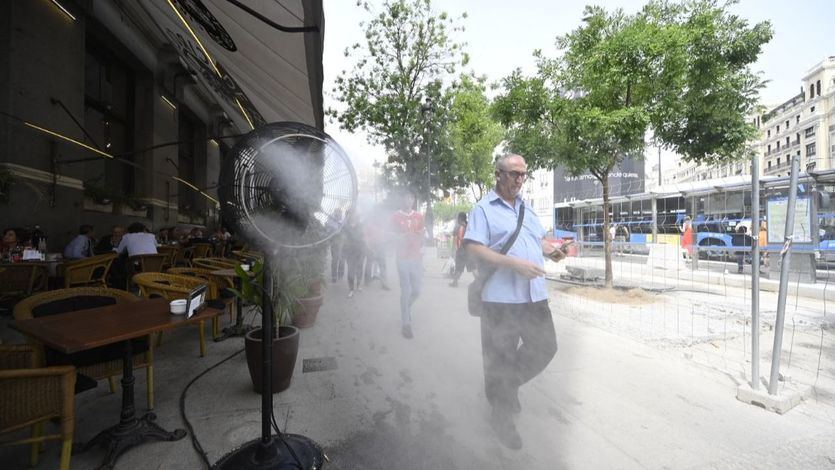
(803, 126)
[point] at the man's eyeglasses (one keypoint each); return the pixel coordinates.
(518, 174)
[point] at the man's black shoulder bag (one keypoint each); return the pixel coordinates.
(474, 303)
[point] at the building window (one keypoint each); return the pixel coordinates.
(778, 145)
(768, 133)
(787, 141)
(778, 161)
(109, 97)
(810, 150)
(810, 132)
(778, 128)
(769, 148)
(811, 91)
(787, 124)
(769, 164)
(819, 87)
(812, 110)
(797, 118)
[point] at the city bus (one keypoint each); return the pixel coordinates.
(716, 207)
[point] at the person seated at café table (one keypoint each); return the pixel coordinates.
(107, 244)
(10, 242)
(137, 241)
(196, 236)
(81, 246)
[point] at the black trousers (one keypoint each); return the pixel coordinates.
(507, 364)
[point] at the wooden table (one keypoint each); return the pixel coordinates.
(87, 329)
(238, 329)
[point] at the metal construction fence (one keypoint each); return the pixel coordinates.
(702, 306)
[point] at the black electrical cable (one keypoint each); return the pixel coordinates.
(286, 29)
(194, 442)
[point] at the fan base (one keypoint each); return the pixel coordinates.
(253, 455)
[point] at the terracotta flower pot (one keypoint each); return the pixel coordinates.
(285, 351)
(306, 310)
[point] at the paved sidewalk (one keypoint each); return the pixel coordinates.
(606, 401)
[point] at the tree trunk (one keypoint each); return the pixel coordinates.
(430, 223)
(607, 237)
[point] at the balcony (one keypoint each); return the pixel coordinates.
(775, 168)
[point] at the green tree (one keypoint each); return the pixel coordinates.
(678, 70)
(396, 91)
(473, 135)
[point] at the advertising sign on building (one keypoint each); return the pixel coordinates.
(626, 178)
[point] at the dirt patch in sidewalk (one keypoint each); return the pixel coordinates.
(634, 296)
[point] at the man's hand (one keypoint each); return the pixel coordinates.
(526, 268)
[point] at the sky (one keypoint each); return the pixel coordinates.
(502, 35)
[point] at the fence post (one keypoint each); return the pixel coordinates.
(784, 279)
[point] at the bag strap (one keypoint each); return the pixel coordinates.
(512, 239)
(488, 272)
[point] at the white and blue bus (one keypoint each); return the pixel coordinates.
(717, 209)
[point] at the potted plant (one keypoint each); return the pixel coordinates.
(285, 347)
(308, 266)
(98, 197)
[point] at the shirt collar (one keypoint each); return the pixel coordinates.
(493, 196)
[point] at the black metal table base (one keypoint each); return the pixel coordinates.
(121, 437)
(130, 432)
(233, 331)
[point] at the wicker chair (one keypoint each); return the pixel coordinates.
(202, 250)
(170, 251)
(145, 264)
(83, 298)
(19, 280)
(221, 284)
(214, 264)
(172, 287)
(90, 271)
(183, 256)
(31, 396)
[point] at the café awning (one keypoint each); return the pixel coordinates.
(256, 72)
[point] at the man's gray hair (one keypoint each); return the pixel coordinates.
(501, 162)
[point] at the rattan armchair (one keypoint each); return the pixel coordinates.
(68, 300)
(220, 284)
(18, 280)
(31, 396)
(202, 250)
(172, 287)
(90, 271)
(170, 252)
(146, 264)
(214, 264)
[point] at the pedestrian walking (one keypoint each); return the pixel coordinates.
(687, 237)
(375, 264)
(458, 241)
(408, 227)
(517, 332)
(337, 261)
(353, 250)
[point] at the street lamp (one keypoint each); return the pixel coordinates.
(426, 109)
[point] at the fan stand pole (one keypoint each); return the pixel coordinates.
(266, 452)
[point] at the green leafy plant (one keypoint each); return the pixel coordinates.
(285, 291)
(100, 193)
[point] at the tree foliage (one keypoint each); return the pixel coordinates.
(678, 70)
(396, 92)
(473, 135)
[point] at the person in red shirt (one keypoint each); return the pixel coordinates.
(408, 226)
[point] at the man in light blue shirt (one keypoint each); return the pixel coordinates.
(515, 297)
(82, 245)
